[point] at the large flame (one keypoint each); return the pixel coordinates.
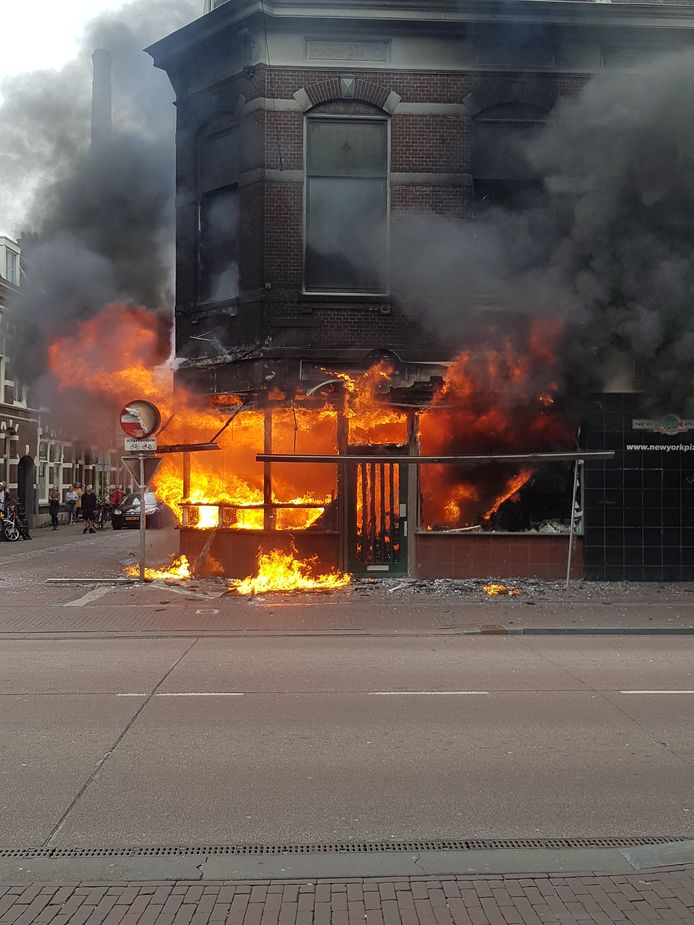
(497, 399)
(280, 571)
(115, 356)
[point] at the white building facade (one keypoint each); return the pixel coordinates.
(35, 453)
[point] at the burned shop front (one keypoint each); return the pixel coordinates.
(378, 471)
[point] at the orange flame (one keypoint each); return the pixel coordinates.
(494, 400)
(371, 420)
(280, 571)
(89, 361)
(115, 356)
(178, 570)
(514, 485)
(494, 589)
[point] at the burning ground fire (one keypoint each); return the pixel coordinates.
(496, 400)
(279, 571)
(178, 570)
(494, 589)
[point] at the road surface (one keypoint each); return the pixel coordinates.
(208, 740)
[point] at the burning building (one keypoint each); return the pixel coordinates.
(326, 159)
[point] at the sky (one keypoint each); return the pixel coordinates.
(28, 48)
(45, 86)
(25, 48)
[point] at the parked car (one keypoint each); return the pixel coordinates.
(127, 513)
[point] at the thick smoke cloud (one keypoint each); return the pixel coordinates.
(607, 244)
(102, 219)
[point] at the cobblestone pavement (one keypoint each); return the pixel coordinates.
(663, 896)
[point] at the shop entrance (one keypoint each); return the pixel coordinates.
(377, 513)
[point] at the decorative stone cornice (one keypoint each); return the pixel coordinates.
(458, 15)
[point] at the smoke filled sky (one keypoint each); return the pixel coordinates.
(99, 218)
(45, 83)
(58, 39)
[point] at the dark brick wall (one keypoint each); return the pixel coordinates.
(429, 144)
(639, 508)
(271, 243)
(496, 556)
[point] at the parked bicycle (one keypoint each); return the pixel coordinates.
(104, 512)
(14, 524)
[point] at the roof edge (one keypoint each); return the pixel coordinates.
(425, 12)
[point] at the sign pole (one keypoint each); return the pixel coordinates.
(143, 518)
(572, 524)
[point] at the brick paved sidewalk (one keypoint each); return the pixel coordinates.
(662, 896)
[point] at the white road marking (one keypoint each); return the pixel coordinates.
(187, 694)
(656, 692)
(202, 694)
(427, 693)
(289, 693)
(90, 596)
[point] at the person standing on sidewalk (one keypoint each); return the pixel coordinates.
(71, 497)
(78, 505)
(54, 505)
(89, 509)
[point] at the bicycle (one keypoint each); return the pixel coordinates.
(103, 513)
(14, 525)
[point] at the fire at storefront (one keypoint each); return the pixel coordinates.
(313, 150)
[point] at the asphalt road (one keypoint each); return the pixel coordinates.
(167, 740)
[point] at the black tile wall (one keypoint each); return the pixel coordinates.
(639, 507)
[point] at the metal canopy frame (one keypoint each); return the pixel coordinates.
(591, 455)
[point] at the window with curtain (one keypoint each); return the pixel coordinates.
(346, 205)
(218, 231)
(503, 173)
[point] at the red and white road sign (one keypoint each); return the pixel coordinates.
(140, 419)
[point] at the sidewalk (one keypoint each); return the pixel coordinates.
(84, 601)
(665, 896)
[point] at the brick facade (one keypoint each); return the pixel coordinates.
(272, 310)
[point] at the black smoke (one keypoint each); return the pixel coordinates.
(606, 242)
(100, 220)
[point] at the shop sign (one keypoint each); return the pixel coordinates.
(670, 425)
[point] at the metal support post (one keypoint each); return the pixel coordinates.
(572, 523)
(269, 515)
(143, 518)
(186, 476)
(342, 489)
(412, 494)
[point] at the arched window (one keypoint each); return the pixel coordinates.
(503, 174)
(346, 204)
(218, 215)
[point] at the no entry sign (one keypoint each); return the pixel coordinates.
(140, 419)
